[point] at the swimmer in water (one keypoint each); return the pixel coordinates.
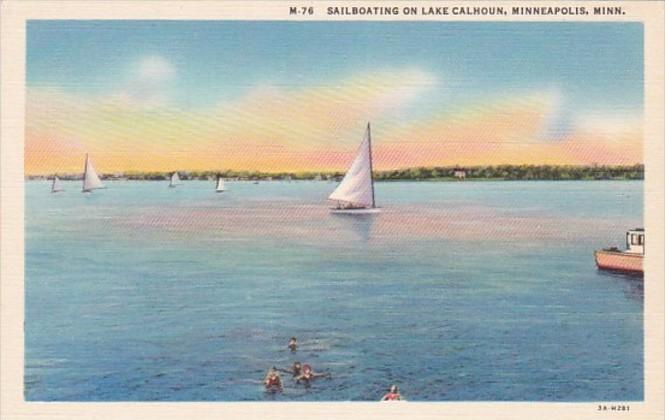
(293, 344)
(295, 370)
(308, 375)
(392, 395)
(272, 381)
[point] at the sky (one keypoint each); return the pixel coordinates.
(296, 96)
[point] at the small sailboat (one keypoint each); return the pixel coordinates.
(91, 180)
(175, 180)
(355, 194)
(220, 185)
(56, 187)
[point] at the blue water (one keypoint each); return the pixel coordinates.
(455, 292)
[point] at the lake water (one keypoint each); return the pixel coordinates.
(456, 291)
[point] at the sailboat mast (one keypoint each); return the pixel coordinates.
(371, 169)
(85, 171)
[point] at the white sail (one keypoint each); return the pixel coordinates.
(90, 179)
(357, 188)
(56, 186)
(220, 184)
(175, 180)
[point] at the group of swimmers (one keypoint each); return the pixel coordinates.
(303, 374)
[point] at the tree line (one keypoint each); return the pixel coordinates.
(518, 172)
(437, 173)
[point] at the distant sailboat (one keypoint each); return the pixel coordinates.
(355, 194)
(220, 185)
(175, 180)
(56, 186)
(91, 180)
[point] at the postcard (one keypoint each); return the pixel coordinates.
(332, 209)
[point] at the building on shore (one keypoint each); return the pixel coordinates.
(459, 173)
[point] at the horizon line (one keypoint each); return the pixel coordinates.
(336, 171)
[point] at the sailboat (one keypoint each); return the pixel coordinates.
(175, 180)
(355, 194)
(56, 186)
(220, 184)
(91, 180)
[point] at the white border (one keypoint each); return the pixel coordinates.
(14, 15)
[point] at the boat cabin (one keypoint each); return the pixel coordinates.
(635, 241)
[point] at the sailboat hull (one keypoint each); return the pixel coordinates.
(89, 191)
(356, 211)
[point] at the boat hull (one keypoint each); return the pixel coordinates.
(88, 191)
(619, 261)
(356, 211)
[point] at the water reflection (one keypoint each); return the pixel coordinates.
(632, 283)
(360, 225)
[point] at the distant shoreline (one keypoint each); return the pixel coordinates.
(427, 174)
(379, 181)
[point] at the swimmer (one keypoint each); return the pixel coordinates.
(392, 395)
(295, 370)
(293, 344)
(308, 375)
(272, 381)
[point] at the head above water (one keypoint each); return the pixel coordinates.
(394, 389)
(293, 343)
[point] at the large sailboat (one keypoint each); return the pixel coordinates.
(220, 184)
(56, 187)
(91, 180)
(175, 180)
(355, 194)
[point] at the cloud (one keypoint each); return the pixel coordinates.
(148, 85)
(559, 121)
(610, 124)
(398, 89)
(268, 128)
(525, 127)
(317, 127)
